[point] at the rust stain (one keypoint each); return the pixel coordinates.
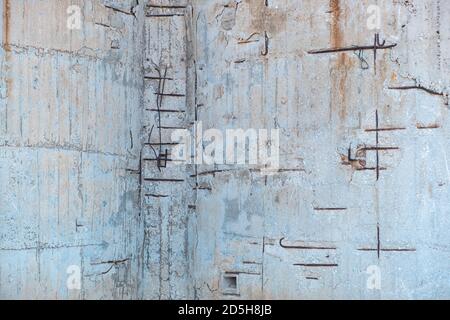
(343, 64)
(336, 32)
(6, 24)
(266, 19)
(275, 21)
(393, 77)
(356, 164)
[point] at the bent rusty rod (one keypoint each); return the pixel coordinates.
(352, 48)
(376, 46)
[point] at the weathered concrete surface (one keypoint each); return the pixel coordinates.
(168, 194)
(80, 137)
(70, 124)
(324, 104)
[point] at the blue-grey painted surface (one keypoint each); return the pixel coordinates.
(337, 221)
(70, 112)
(346, 216)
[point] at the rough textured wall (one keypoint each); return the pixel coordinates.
(86, 117)
(168, 193)
(70, 141)
(363, 181)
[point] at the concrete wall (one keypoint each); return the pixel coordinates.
(168, 194)
(70, 141)
(362, 189)
(337, 221)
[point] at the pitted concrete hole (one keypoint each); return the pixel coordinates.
(230, 283)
